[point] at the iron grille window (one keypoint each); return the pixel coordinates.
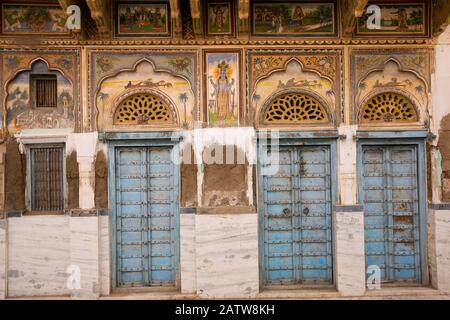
(47, 179)
(45, 91)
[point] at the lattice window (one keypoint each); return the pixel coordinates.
(143, 108)
(388, 107)
(295, 108)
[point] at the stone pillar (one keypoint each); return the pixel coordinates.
(227, 255)
(3, 278)
(86, 182)
(439, 246)
(85, 222)
(86, 144)
(348, 221)
(187, 252)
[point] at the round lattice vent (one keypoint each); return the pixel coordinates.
(295, 108)
(388, 107)
(143, 108)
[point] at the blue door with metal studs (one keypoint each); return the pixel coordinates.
(146, 221)
(296, 218)
(391, 211)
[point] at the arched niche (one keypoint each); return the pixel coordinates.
(21, 109)
(143, 78)
(292, 78)
(386, 87)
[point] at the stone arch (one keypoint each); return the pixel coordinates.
(144, 107)
(385, 107)
(292, 107)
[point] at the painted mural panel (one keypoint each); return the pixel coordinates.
(222, 86)
(399, 19)
(20, 112)
(294, 18)
(25, 18)
(219, 18)
(21, 115)
(142, 19)
(276, 73)
(402, 72)
(173, 74)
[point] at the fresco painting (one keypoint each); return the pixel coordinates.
(33, 19)
(397, 19)
(145, 78)
(222, 88)
(219, 16)
(293, 19)
(20, 114)
(142, 19)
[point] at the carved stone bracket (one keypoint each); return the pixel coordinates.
(441, 16)
(351, 11)
(196, 18)
(101, 14)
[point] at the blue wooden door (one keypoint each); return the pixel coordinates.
(296, 220)
(146, 217)
(391, 215)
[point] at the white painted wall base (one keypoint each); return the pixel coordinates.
(187, 254)
(84, 254)
(3, 231)
(227, 255)
(40, 250)
(105, 256)
(38, 256)
(349, 253)
(439, 227)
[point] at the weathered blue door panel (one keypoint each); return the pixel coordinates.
(146, 208)
(391, 199)
(297, 217)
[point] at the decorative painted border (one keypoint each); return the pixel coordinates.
(231, 42)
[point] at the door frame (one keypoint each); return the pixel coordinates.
(142, 139)
(297, 139)
(416, 138)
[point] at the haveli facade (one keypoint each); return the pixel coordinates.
(134, 153)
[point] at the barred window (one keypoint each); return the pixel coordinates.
(45, 90)
(47, 178)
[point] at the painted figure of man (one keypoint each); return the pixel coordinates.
(223, 90)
